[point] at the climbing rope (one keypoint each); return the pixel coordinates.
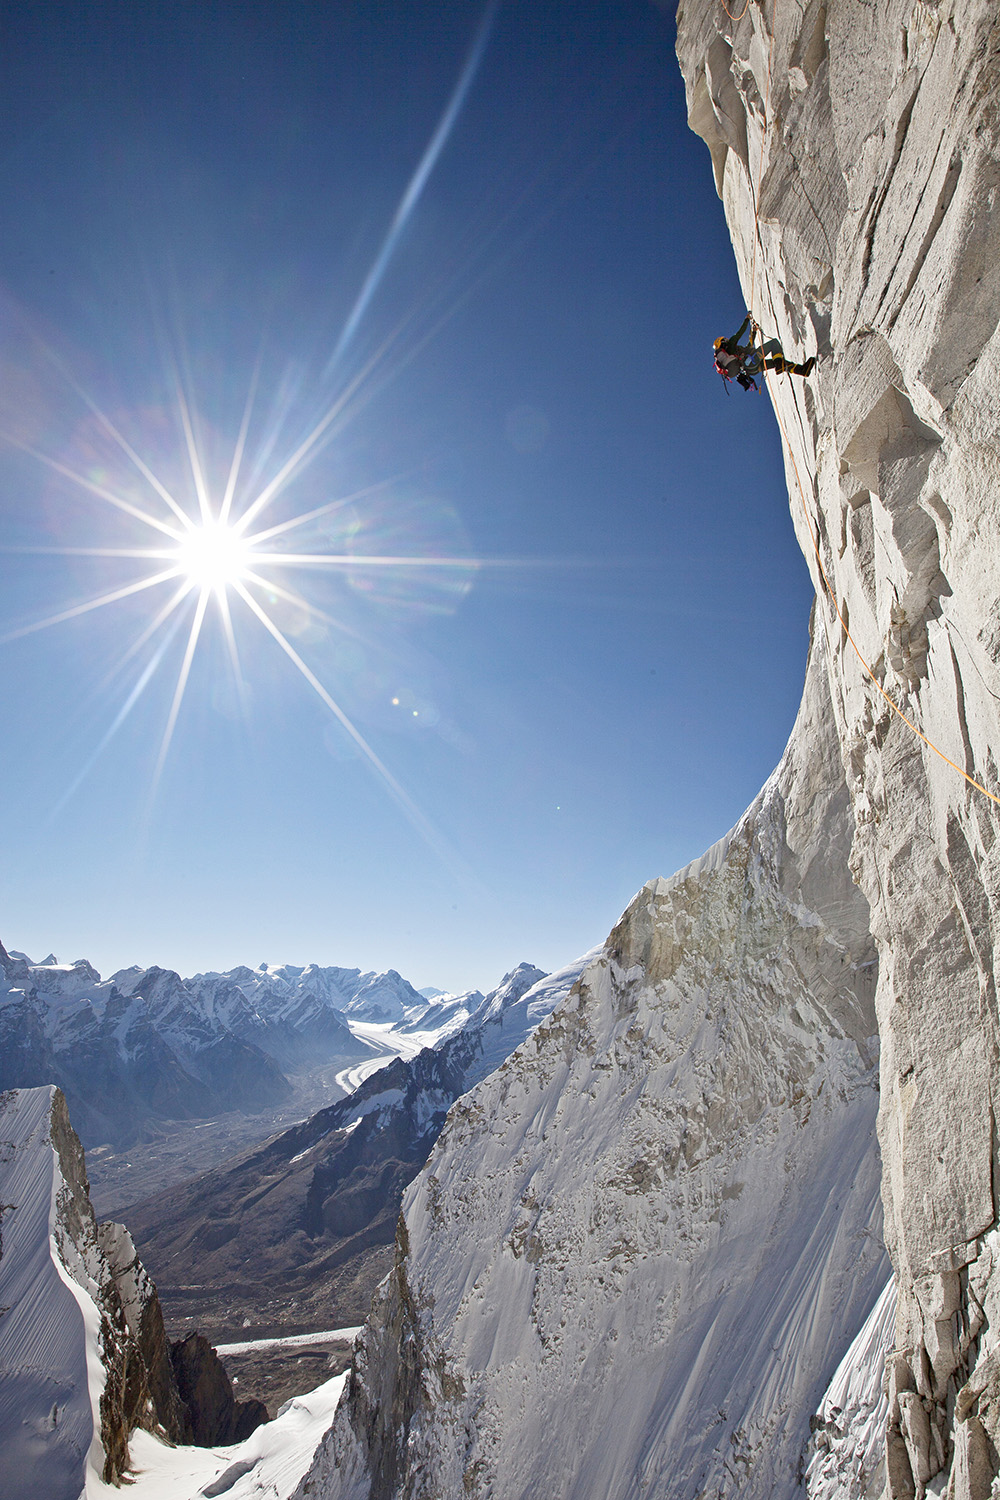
(814, 534)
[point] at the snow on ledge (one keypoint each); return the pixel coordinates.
(270, 1462)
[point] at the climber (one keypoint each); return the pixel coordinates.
(741, 362)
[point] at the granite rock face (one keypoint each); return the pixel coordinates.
(875, 243)
(641, 1247)
(214, 1416)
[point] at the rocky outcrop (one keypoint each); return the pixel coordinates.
(875, 243)
(84, 1357)
(214, 1416)
(641, 1247)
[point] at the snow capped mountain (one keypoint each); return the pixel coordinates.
(299, 1014)
(293, 1013)
(315, 1210)
(126, 1054)
(147, 1044)
(384, 997)
(443, 1015)
(641, 1246)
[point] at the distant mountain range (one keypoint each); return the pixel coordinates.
(147, 1046)
(296, 1234)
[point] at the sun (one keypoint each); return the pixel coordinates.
(213, 556)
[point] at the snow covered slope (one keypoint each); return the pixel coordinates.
(640, 1248)
(266, 1466)
(847, 1453)
(50, 1379)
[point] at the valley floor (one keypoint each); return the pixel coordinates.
(181, 1149)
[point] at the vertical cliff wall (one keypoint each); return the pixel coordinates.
(874, 242)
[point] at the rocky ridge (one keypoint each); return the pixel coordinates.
(84, 1356)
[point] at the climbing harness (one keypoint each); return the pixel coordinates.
(814, 532)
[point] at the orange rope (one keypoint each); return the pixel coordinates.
(795, 468)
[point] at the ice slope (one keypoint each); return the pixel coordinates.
(641, 1247)
(51, 1377)
(847, 1457)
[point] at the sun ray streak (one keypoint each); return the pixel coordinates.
(234, 468)
(312, 609)
(370, 560)
(87, 606)
(150, 630)
(231, 646)
(95, 489)
(182, 681)
(417, 183)
(415, 817)
(143, 682)
(323, 432)
(328, 509)
(117, 436)
(194, 457)
(159, 552)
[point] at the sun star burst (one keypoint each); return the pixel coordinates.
(214, 555)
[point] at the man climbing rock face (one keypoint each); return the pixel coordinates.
(742, 362)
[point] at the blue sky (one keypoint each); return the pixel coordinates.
(596, 659)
